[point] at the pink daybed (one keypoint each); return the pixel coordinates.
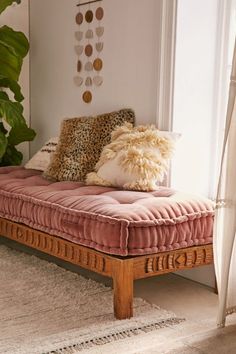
(126, 235)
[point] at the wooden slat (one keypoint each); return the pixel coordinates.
(57, 247)
(166, 262)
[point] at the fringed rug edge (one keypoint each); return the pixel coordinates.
(119, 335)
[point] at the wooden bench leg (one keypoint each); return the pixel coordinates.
(123, 288)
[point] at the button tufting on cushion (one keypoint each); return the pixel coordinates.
(107, 219)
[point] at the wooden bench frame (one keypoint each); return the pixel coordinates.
(123, 270)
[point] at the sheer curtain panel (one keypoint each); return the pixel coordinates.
(225, 222)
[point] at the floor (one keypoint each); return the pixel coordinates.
(190, 300)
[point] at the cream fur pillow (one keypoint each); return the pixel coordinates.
(136, 159)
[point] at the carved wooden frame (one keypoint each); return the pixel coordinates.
(123, 270)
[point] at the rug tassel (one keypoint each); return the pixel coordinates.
(117, 336)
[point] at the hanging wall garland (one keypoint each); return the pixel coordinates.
(89, 47)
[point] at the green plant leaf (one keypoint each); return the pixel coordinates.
(20, 134)
(12, 157)
(10, 64)
(13, 86)
(4, 95)
(15, 41)
(11, 111)
(5, 3)
(3, 144)
(2, 128)
(14, 46)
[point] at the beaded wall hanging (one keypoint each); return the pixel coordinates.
(89, 47)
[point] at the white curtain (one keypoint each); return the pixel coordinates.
(225, 222)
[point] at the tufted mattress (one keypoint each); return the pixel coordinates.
(109, 220)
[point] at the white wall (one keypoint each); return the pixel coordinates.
(130, 62)
(17, 17)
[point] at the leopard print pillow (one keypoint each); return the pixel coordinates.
(81, 142)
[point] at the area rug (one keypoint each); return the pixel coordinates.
(46, 309)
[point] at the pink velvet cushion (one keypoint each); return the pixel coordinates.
(107, 219)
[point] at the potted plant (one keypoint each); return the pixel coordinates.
(14, 46)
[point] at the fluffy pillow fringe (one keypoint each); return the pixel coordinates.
(140, 152)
